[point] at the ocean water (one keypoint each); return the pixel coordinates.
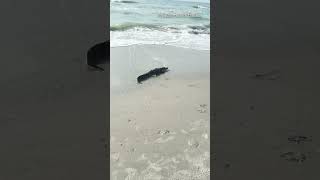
(171, 22)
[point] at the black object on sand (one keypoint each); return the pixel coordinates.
(152, 73)
(98, 54)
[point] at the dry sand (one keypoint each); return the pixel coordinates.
(160, 129)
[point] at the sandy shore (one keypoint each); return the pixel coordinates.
(160, 129)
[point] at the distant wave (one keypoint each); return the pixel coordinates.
(125, 1)
(127, 26)
(200, 7)
(194, 29)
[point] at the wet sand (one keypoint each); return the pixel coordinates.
(160, 128)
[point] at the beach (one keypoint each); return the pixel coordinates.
(160, 128)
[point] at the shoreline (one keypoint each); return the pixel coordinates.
(166, 45)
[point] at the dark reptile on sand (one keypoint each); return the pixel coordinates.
(152, 73)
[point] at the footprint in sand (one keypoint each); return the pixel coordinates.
(193, 146)
(202, 108)
(132, 150)
(193, 143)
(165, 132)
(203, 105)
(115, 156)
(205, 136)
(164, 140)
(134, 124)
(124, 143)
(116, 159)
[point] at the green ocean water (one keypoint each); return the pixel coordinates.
(172, 22)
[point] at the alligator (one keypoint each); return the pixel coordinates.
(152, 73)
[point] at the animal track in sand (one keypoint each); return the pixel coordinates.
(193, 143)
(133, 124)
